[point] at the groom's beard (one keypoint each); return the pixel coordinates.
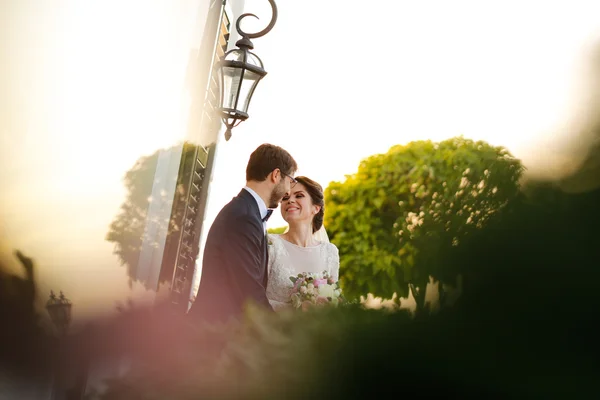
(276, 195)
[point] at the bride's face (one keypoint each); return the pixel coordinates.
(297, 206)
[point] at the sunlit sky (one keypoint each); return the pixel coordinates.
(87, 87)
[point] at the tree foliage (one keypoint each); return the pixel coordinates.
(393, 219)
(277, 231)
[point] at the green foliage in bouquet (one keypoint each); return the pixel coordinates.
(396, 217)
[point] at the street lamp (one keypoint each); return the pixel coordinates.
(241, 70)
(60, 311)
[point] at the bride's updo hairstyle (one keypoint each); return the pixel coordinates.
(315, 192)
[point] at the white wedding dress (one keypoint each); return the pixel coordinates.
(287, 259)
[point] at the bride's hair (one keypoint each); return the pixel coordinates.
(316, 194)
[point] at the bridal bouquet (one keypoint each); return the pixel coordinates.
(315, 289)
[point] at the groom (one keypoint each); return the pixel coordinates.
(234, 267)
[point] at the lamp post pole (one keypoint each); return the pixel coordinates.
(59, 309)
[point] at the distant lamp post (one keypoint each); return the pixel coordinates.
(59, 309)
(241, 70)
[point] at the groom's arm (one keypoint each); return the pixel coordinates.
(245, 255)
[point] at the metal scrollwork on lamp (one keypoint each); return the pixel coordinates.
(240, 71)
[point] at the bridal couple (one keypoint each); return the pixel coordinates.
(242, 262)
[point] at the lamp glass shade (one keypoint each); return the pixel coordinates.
(241, 71)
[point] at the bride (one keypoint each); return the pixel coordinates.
(304, 247)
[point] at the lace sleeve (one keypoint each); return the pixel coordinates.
(278, 281)
(271, 254)
(334, 261)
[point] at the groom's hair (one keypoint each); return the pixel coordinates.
(265, 159)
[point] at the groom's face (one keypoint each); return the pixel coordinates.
(281, 188)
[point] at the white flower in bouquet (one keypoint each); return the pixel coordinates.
(327, 291)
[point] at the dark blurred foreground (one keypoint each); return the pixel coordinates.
(524, 327)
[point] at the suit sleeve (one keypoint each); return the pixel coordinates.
(245, 258)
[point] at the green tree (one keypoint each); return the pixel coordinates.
(394, 219)
(277, 231)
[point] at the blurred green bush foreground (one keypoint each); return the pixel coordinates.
(525, 326)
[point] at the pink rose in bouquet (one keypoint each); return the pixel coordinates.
(319, 282)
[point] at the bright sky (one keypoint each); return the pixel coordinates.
(88, 87)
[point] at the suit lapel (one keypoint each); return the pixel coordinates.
(246, 196)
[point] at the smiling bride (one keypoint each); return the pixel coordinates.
(304, 247)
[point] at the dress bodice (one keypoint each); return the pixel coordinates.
(287, 259)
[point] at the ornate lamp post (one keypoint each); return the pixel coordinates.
(59, 309)
(60, 312)
(241, 70)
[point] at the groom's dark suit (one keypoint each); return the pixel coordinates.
(234, 266)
